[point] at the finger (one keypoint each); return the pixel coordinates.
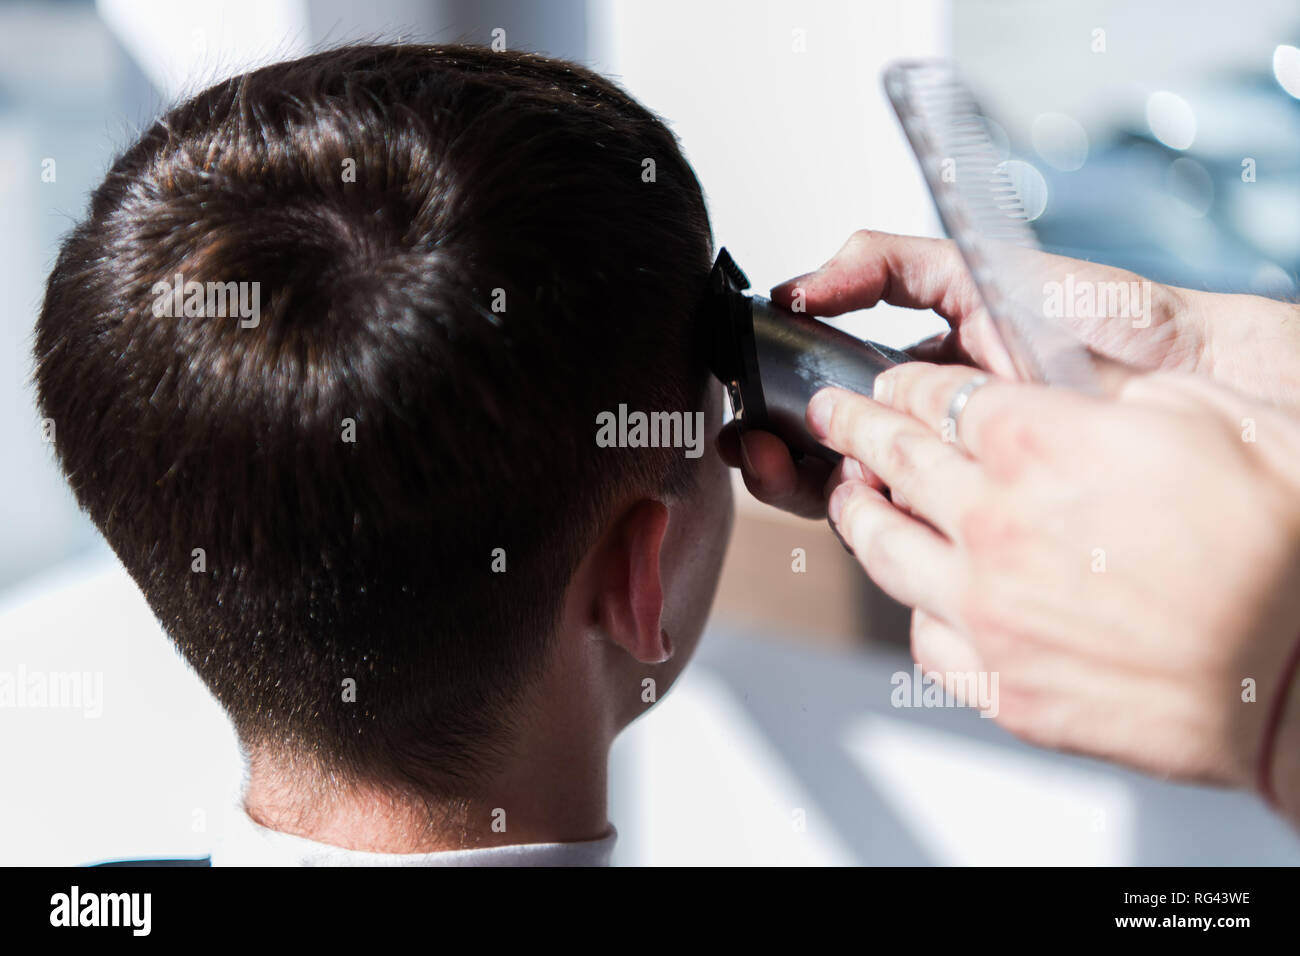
(1000, 424)
(773, 477)
(1007, 426)
(936, 479)
(947, 656)
(912, 563)
(850, 469)
(908, 271)
(874, 267)
(926, 391)
(932, 341)
(728, 444)
(1113, 377)
(973, 343)
(939, 647)
(731, 451)
(940, 349)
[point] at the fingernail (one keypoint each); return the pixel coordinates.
(836, 504)
(745, 463)
(819, 413)
(852, 470)
(882, 388)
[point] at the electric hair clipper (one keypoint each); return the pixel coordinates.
(773, 361)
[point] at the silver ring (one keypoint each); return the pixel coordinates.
(958, 405)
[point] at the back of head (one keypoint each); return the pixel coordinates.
(449, 261)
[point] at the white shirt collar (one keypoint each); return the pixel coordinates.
(244, 842)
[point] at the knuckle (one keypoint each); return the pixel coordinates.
(980, 615)
(934, 397)
(991, 624)
(909, 386)
(933, 403)
(899, 453)
(989, 529)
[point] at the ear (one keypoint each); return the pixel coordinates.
(629, 601)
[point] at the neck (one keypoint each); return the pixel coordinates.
(552, 790)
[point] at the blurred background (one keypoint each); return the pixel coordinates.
(1164, 139)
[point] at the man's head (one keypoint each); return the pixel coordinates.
(387, 472)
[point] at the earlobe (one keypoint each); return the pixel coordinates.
(630, 601)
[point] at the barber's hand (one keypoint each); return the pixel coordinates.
(919, 273)
(1122, 564)
(1249, 343)
(771, 474)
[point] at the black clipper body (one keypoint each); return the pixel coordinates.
(772, 360)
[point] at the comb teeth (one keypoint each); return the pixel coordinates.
(982, 210)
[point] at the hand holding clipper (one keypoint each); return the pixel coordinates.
(773, 360)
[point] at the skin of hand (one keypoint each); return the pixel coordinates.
(1126, 565)
(1177, 641)
(1249, 343)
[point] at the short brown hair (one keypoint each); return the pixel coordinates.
(384, 198)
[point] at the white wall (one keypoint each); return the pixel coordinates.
(795, 150)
